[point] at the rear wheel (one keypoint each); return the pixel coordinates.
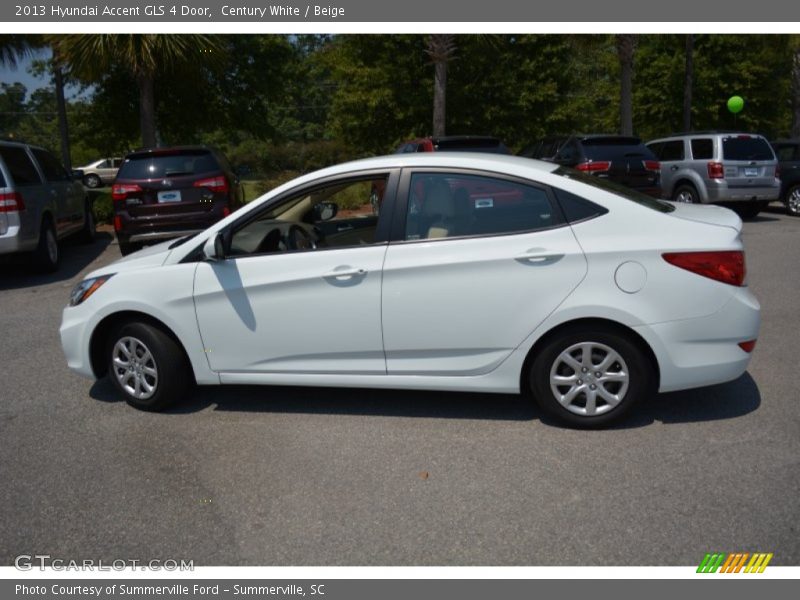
(46, 255)
(126, 247)
(750, 210)
(793, 201)
(147, 366)
(89, 228)
(686, 193)
(590, 377)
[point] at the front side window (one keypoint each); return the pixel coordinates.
(337, 215)
(446, 205)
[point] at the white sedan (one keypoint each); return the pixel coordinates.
(439, 272)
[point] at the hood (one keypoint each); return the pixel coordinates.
(709, 214)
(150, 256)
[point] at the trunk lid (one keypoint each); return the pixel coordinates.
(709, 214)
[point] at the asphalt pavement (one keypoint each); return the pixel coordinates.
(309, 476)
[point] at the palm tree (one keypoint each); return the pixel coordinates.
(144, 56)
(626, 45)
(441, 48)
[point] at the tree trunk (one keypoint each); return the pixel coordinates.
(147, 110)
(61, 108)
(688, 83)
(796, 92)
(439, 98)
(625, 48)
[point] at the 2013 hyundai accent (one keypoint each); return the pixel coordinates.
(470, 273)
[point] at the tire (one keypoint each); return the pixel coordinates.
(126, 248)
(792, 201)
(92, 181)
(47, 255)
(749, 210)
(686, 193)
(631, 376)
(88, 233)
(159, 375)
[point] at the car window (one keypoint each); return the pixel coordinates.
(616, 188)
(152, 166)
(445, 205)
(19, 166)
(672, 150)
(785, 153)
(611, 151)
(576, 208)
(53, 171)
(746, 147)
(116, 163)
(103, 164)
(338, 215)
(702, 149)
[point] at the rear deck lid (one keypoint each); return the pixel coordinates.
(707, 213)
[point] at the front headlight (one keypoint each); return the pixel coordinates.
(86, 288)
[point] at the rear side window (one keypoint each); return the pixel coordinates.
(153, 166)
(53, 171)
(444, 205)
(19, 165)
(671, 151)
(616, 188)
(746, 147)
(786, 153)
(702, 149)
(576, 208)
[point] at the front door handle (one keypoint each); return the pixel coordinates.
(345, 273)
(536, 258)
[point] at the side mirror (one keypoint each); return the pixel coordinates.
(77, 174)
(325, 211)
(214, 248)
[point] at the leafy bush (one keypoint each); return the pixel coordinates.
(102, 206)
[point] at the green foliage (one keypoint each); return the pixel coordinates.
(102, 206)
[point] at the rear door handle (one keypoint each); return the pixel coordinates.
(537, 258)
(674, 168)
(344, 227)
(345, 273)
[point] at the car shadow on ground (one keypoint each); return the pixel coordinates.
(17, 271)
(726, 401)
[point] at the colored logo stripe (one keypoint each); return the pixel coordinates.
(734, 562)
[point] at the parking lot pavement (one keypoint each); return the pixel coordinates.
(289, 476)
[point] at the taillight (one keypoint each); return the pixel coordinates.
(117, 223)
(11, 202)
(777, 171)
(120, 191)
(747, 346)
(594, 166)
(716, 171)
(725, 266)
(652, 165)
(225, 211)
(215, 184)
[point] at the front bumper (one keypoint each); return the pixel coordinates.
(75, 331)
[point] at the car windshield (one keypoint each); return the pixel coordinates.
(152, 166)
(746, 147)
(616, 188)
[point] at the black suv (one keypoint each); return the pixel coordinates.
(164, 193)
(788, 153)
(619, 158)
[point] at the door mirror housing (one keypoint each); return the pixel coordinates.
(214, 248)
(325, 211)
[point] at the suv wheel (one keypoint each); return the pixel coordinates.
(793, 201)
(89, 227)
(147, 366)
(749, 210)
(92, 181)
(126, 248)
(46, 254)
(686, 193)
(590, 377)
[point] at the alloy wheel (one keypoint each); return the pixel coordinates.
(135, 368)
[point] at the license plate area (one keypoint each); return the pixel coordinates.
(751, 171)
(169, 196)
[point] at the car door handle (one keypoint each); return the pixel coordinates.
(344, 227)
(537, 258)
(345, 273)
(674, 168)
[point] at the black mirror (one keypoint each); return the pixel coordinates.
(325, 211)
(77, 174)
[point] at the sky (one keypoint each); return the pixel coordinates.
(20, 74)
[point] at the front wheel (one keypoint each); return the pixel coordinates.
(590, 378)
(147, 366)
(793, 201)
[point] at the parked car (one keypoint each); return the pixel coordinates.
(454, 143)
(572, 287)
(40, 203)
(709, 166)
(619, 158)
(788, 153)
(164, 193)
(100, 172)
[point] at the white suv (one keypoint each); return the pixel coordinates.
(707, 167)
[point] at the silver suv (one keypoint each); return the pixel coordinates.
(40, 203)
(706, 167)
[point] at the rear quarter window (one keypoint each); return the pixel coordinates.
(702, 149)
(19, 165)
(576, 208)
(746, 148)
(148, 166)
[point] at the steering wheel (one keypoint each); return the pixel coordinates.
(299, 239)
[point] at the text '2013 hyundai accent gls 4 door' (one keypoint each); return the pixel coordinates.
(478, 273)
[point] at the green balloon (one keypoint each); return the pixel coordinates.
(735, 104)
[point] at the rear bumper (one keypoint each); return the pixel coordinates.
(155, 236)
(721, 192)
(704, 351)
(11, 240)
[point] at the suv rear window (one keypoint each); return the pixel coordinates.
(19, 165)
(153, 166)
(493, 146)
(746, 148)
(616, 148)
(616, 188)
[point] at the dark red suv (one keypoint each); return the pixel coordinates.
(164, 193)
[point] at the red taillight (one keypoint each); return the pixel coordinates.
(225, 211)
(120, 191)
(652, 165)
(716, 171)
(117, 223)
(215, 184)
(748, 346)
(594, 166)
(725, 266)
(11, 202)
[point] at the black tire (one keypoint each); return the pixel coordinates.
(92, 181)
(792, 201)
(163, 356)
(687, 193)
(89, 231)
(749, 210)
(126, 248)
(641, 377)
(47, 254)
